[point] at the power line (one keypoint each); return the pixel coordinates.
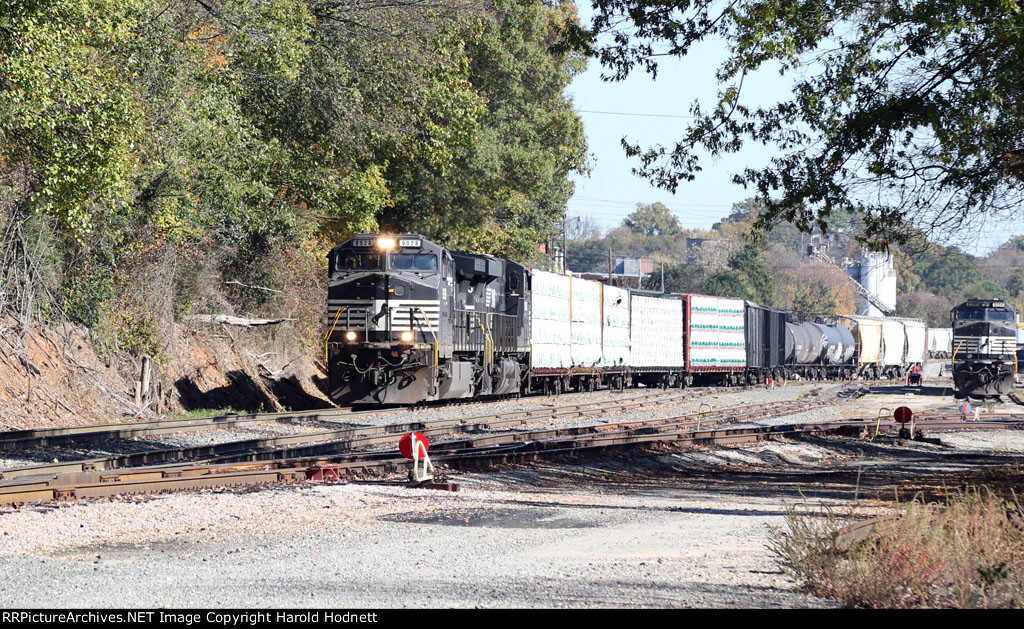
(634, 113)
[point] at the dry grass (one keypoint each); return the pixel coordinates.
(967, 552)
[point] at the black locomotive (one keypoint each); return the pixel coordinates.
(984, 347)
(410, 321)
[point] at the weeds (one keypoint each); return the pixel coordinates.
(967, 552)
(208, 412)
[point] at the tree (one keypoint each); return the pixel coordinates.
(749, 263)
(653, 219)
(908, 114)
(930, 308)
(582, 229)
(506, 186)
(812, 299)
(684, 278)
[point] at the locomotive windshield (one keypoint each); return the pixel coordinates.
(349, 261)
(423, 262)
(983, 314)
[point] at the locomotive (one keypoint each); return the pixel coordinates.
(984, 346)
(409, 321)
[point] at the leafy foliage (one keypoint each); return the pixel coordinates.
(908, 114)
(734, 259)
(653, 219)
(169, 152)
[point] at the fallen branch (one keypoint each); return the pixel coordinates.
(269, 290)
(239, 321)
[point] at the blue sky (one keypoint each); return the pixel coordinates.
(649, 112)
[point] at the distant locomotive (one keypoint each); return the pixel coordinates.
(984, 346)
(410, 321)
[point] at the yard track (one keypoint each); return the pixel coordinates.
(339, 460)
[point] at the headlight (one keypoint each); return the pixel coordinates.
(385, 243)
(406, 337)
(350, 336)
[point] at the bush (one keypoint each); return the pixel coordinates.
(966, 553)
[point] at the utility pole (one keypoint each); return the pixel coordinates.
(565, 229)
(662, 278)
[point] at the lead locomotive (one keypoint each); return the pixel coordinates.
(984, 343)
(409, 321)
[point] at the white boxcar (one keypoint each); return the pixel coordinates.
(655, 331)
(917, 343)
(585, 332)
(716, 340)
(550, 319)
(615, 342)
(894, 343)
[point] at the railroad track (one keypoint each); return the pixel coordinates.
(330, 442)
(490, 449)
(478, 449)
(15, 440)
(334, 440)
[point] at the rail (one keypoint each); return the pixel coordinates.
(476, 450)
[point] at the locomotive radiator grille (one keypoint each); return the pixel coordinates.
(354, 318)
(989, 345)
(403, 314)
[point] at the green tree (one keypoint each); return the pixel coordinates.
(905, 113)
(987, 289)
(945, 268)
(728, 283)
(69, 119)
(684, 278)
(749, 262)
(153, 151)
(811, 299)
(653, 219)
(506, 186)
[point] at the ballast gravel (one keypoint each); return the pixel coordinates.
(493, 544)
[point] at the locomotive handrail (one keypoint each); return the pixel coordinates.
(952, 360)
(327, 345)
(430, 327)
(488, 341)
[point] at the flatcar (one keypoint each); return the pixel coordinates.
(984, 348)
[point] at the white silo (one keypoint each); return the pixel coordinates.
(878, 277)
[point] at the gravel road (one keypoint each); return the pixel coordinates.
(494, 544)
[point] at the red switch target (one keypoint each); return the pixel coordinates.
(405, 444)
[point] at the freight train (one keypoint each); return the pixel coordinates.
(984, 348)
(409, 321)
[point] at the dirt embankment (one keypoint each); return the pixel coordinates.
(60, 376)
